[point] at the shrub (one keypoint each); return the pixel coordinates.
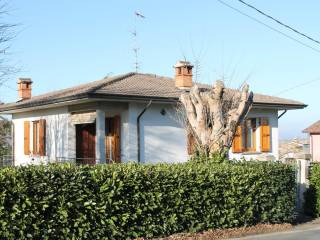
(312, 195)
(124, 201)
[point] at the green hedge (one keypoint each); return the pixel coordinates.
(312, 195)
(124, 201)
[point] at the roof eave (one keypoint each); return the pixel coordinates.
(311, 132)
(28, 107)
(35, 106)
(279, 106)
(100, 96)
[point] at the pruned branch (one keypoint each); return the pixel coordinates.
(212, 115)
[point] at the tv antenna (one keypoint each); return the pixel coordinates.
(137, 15)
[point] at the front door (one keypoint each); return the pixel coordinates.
(86, 143)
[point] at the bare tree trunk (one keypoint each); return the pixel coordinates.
(212, 115)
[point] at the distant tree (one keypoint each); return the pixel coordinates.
(7, 33)
(5, 137)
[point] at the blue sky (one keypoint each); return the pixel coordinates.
(65, 43)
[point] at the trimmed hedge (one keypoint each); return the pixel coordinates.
(312, 195)
(124, 201)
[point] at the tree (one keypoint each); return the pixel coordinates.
(6, 70)
(7, 33)
(211, 116)
(5, 137)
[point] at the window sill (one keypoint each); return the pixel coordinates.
(251, 153)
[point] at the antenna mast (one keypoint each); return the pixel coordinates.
(134, 33)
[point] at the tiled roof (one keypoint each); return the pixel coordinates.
(131, 85)
(314, 128)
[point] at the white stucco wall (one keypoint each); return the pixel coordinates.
(162, 137)
(56, 134)
(272, 115)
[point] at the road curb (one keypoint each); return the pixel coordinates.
(298, 229)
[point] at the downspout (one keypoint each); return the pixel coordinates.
(12, 143)
(138, 129)
(284, 112)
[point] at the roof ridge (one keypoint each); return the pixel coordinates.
(115, 79)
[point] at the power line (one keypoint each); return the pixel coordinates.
(7, 86)
(268, 26)
(279, 22)
(283, 34)
(297, 86)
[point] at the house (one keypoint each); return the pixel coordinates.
(130, 117)
(314, 136)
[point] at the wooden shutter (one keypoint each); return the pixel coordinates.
(237, 141)
(190, 143)
(42, 137)
(26, 138)
(265, 135)
(117, 142)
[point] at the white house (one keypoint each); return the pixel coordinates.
(124, 118)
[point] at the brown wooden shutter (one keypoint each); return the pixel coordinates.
(237, 141)
(42, 137)
(26, 138)
(117, 142)
(190, 143)
(265, 135)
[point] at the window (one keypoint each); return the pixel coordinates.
(39, 137)
(249, 135)
(245, 139)
(36, 130)
(112, 139)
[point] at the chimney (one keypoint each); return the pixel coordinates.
(24, 88)
(183, 76)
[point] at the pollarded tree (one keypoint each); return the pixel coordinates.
(211, 115)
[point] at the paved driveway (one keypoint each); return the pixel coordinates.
(299, 234)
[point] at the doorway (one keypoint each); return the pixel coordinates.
(86, 143)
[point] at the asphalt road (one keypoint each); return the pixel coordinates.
(301, 234)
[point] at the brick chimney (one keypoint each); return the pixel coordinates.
(183, 77)
(24, 88)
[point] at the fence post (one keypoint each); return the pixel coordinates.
(303, 163)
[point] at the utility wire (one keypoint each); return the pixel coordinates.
(297, 86)
(7, 86)
(279, 22)
(268, 26)
(283, 34)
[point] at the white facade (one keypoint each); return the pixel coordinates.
(57, 131)
(162, 137)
